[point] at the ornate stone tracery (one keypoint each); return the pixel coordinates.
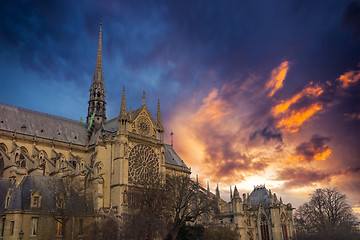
(143, 164)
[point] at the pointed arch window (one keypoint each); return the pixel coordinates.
(283, 227)
(264, 228)
(2, 158)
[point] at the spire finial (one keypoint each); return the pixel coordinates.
(123, 109)
(172, 138)
(143, 97)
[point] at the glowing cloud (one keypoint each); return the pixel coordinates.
(292, 121)
(314, 150)
(349, 78)
(213, 108)
(310, 91)
(277, 77)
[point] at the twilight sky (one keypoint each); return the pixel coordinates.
(264, 93)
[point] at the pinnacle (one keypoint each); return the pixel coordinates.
(123, 109)
(158, 117)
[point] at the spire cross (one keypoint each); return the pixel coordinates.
(143, 97)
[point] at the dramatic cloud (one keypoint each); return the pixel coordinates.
(277, 77)
(267, 133)
(299, 177)
(314, 150)
(295, 118)
(309, 91)
(349, 78)
(242, 94)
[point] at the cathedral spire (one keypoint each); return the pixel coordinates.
(159, 124)
(123, 109)
(98, 75)
(97, 103)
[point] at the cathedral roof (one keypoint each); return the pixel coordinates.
(111, 125)
(43, 125)
(47, 186)
(5, 184)
(172, 158)
(260, 195)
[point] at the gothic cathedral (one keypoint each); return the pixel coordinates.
(111, 157)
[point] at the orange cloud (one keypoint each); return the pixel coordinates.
(349, 78)
(321, 156)
(277, 77)
(310, 91)
(315, 149)
(292, 121)
(212, 110)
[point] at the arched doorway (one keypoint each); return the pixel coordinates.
(264, 227)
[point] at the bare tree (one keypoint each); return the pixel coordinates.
(107, 227)
(187, 203)
(147, 210)
(327, 212)
(68, 198)
(159, 208)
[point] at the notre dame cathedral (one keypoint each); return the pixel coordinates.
(111, 156)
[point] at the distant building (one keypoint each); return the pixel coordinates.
(260, 215)
(109, 158)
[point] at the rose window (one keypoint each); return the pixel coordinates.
(143, 164)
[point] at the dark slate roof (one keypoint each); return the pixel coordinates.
(21, 197)
(172, 158)
(47, 186)
(43, 125)
(260, 195)
(111, 125)
(5, 184)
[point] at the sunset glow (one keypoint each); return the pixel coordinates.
(277, 77)
(295, 119)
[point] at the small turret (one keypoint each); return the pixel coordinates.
(217, 191)
(248, 201)
(275, 198)
(123, 116)
(231, 194)
(159, 124)
(123, 110)
(236, 193)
